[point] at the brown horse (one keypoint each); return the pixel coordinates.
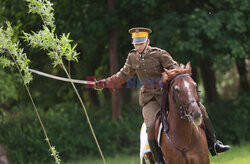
(185, 141)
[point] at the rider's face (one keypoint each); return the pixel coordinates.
(140, 47)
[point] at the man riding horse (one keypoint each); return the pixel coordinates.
(149, 63)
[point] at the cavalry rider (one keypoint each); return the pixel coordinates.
(148, 63)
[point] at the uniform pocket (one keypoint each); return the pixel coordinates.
(136, 66)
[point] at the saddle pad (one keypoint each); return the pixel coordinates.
(159, 135)
(144, 146)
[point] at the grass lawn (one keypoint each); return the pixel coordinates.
(237, 155)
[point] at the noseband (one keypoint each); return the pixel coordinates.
(182, 108)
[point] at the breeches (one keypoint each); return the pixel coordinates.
(149, 112)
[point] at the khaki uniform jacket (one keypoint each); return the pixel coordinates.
(149, 68)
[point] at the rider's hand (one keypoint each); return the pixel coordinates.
(164, 78)
(100, 83)
(105, 83)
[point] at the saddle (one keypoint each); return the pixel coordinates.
(162, 115)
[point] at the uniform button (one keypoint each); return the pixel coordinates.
(145, 70)
(143, 64)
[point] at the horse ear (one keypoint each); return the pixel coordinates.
(182, 66)
(188, 66)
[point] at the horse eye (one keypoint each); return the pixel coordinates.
(177, 89)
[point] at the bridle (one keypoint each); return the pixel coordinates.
(182, 108)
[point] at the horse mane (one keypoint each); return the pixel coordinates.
(169, 75)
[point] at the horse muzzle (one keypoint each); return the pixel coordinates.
(195, 117)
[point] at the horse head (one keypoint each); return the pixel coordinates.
(185, 141)
(183, 93)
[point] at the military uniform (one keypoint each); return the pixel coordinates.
(148, 67)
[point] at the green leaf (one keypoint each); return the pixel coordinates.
(6, 62)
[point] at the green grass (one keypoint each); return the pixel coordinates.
(119, 159)
(237, 155)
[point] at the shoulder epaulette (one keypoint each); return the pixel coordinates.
(156, 49)
(133, 50)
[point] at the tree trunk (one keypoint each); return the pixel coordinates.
(209, 81)
(195, 73)
(91, 92)
(241, 67)
(126, 94)
(112, 38)
(3, 155)
(93, 97)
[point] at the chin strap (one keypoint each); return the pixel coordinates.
(141, 54)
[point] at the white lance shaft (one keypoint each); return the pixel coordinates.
(62, 78)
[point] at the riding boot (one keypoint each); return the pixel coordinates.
(164, 109)
(156, 151)
(215, 146)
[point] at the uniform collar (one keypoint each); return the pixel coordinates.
(145, 52)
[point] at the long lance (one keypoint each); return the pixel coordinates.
(62, 78)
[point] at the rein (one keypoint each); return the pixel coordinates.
(182, 110)
(185, 150)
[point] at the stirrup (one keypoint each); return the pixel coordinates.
(219, 144)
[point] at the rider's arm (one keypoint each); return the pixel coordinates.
(124, 74)
(167, 61)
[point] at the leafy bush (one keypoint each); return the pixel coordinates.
(69, 132)
(231, 119)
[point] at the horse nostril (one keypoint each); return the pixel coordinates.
(198, 115)
(195, 114)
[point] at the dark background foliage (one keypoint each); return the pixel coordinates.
(213, 35)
